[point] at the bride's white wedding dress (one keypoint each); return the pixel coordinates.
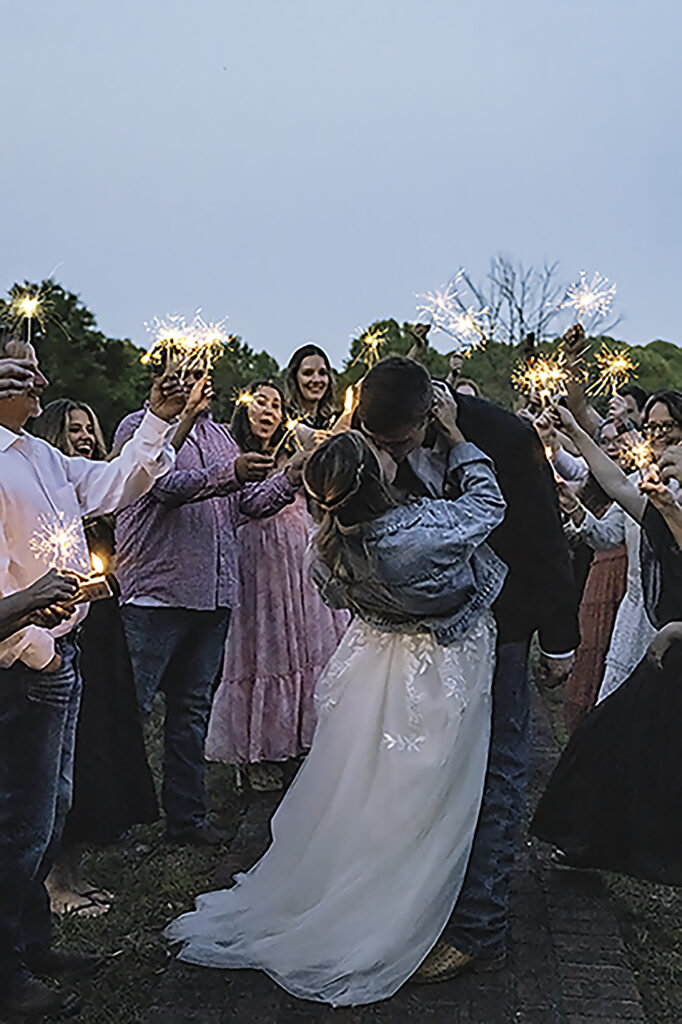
(371, 842)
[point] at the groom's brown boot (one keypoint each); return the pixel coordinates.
(445, 962)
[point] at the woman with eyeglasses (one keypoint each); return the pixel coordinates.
(613, 801)
(632, 631)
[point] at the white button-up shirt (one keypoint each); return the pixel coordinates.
(40, 490)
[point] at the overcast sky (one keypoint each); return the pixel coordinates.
(306, 166)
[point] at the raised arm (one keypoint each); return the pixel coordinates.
(607, 473)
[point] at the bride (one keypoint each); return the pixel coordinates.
(371, 842)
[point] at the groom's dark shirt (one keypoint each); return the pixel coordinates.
(539, 593)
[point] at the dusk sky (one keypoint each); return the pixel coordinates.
(306, 166)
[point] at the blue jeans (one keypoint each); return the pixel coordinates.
(178, 651)
(479, 921)
(38, 715)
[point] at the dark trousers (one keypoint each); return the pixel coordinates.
(178, 651)
(479, 921)
(38, 715)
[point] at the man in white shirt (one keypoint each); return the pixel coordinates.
(42, 490)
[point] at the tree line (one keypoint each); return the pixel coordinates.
(83, 363)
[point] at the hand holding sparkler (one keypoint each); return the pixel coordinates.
(55, 587)
(16, 377)
(167, 396)
(294, 468)
(670, 464)
(574, 345)
(564, 420)
(252, 467)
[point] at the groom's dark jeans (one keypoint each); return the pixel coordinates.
(38, 715)
(479, 921)
(180, 652)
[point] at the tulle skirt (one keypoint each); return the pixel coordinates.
(371, 842)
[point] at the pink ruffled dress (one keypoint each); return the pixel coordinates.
(280, 639)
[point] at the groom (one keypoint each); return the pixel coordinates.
(395, 412)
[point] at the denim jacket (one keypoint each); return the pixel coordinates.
(430, 555)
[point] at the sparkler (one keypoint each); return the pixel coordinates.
(543, 377)
(183, 346)
(244, 398)
(28, 306)
(289, 433)
(372, 339)
(591, 299)
(444, 309)
(638, 454)
(614, 370)
(59, 543)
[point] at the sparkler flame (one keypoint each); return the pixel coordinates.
(184, 346)
(591, 299)
(59, 543)
(28, 306)
(290, 433)
(97, 564)
(372, 339)
(349, 401)
(638, 454)
(244, 398)
(444, 309)
(543, 377)
(615, 368)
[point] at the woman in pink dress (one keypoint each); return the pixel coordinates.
(281, 634)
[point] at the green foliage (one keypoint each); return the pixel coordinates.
(78, 359)
(81, 362)
(237, 368)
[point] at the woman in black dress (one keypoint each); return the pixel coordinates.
(614, 799)
(113, 787)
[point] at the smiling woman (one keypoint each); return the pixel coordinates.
(310, 387)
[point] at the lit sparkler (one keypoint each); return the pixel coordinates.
(183, 346)
(372, 340)
(543, 377)
(615, 368)
(590, 299)
(290, 433)
(444, 309)
(244, 398)
(637, 454)
(28, 306)
(59, 543)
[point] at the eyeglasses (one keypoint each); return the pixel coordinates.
(661, 429)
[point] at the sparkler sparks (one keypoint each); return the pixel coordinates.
(59, 543)
(244, 398)
(542, 377)
(591, 299)
(28, 306)
(638, 454)
(290, 433)
(444, 309)
(615, 368)
(372, 340)
(183, 346)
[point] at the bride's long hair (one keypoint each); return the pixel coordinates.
(344, 479)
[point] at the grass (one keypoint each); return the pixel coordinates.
(154, 881)
(650, 919)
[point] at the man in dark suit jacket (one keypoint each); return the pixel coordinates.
(395, 410)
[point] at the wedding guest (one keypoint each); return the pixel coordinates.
(632, 630)
(281, 634)
(113, 786)
(42, 490)
(613, 800)
(395, 410)
(44, 603)
(309, 387)
(177, 554)
(626, 407)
